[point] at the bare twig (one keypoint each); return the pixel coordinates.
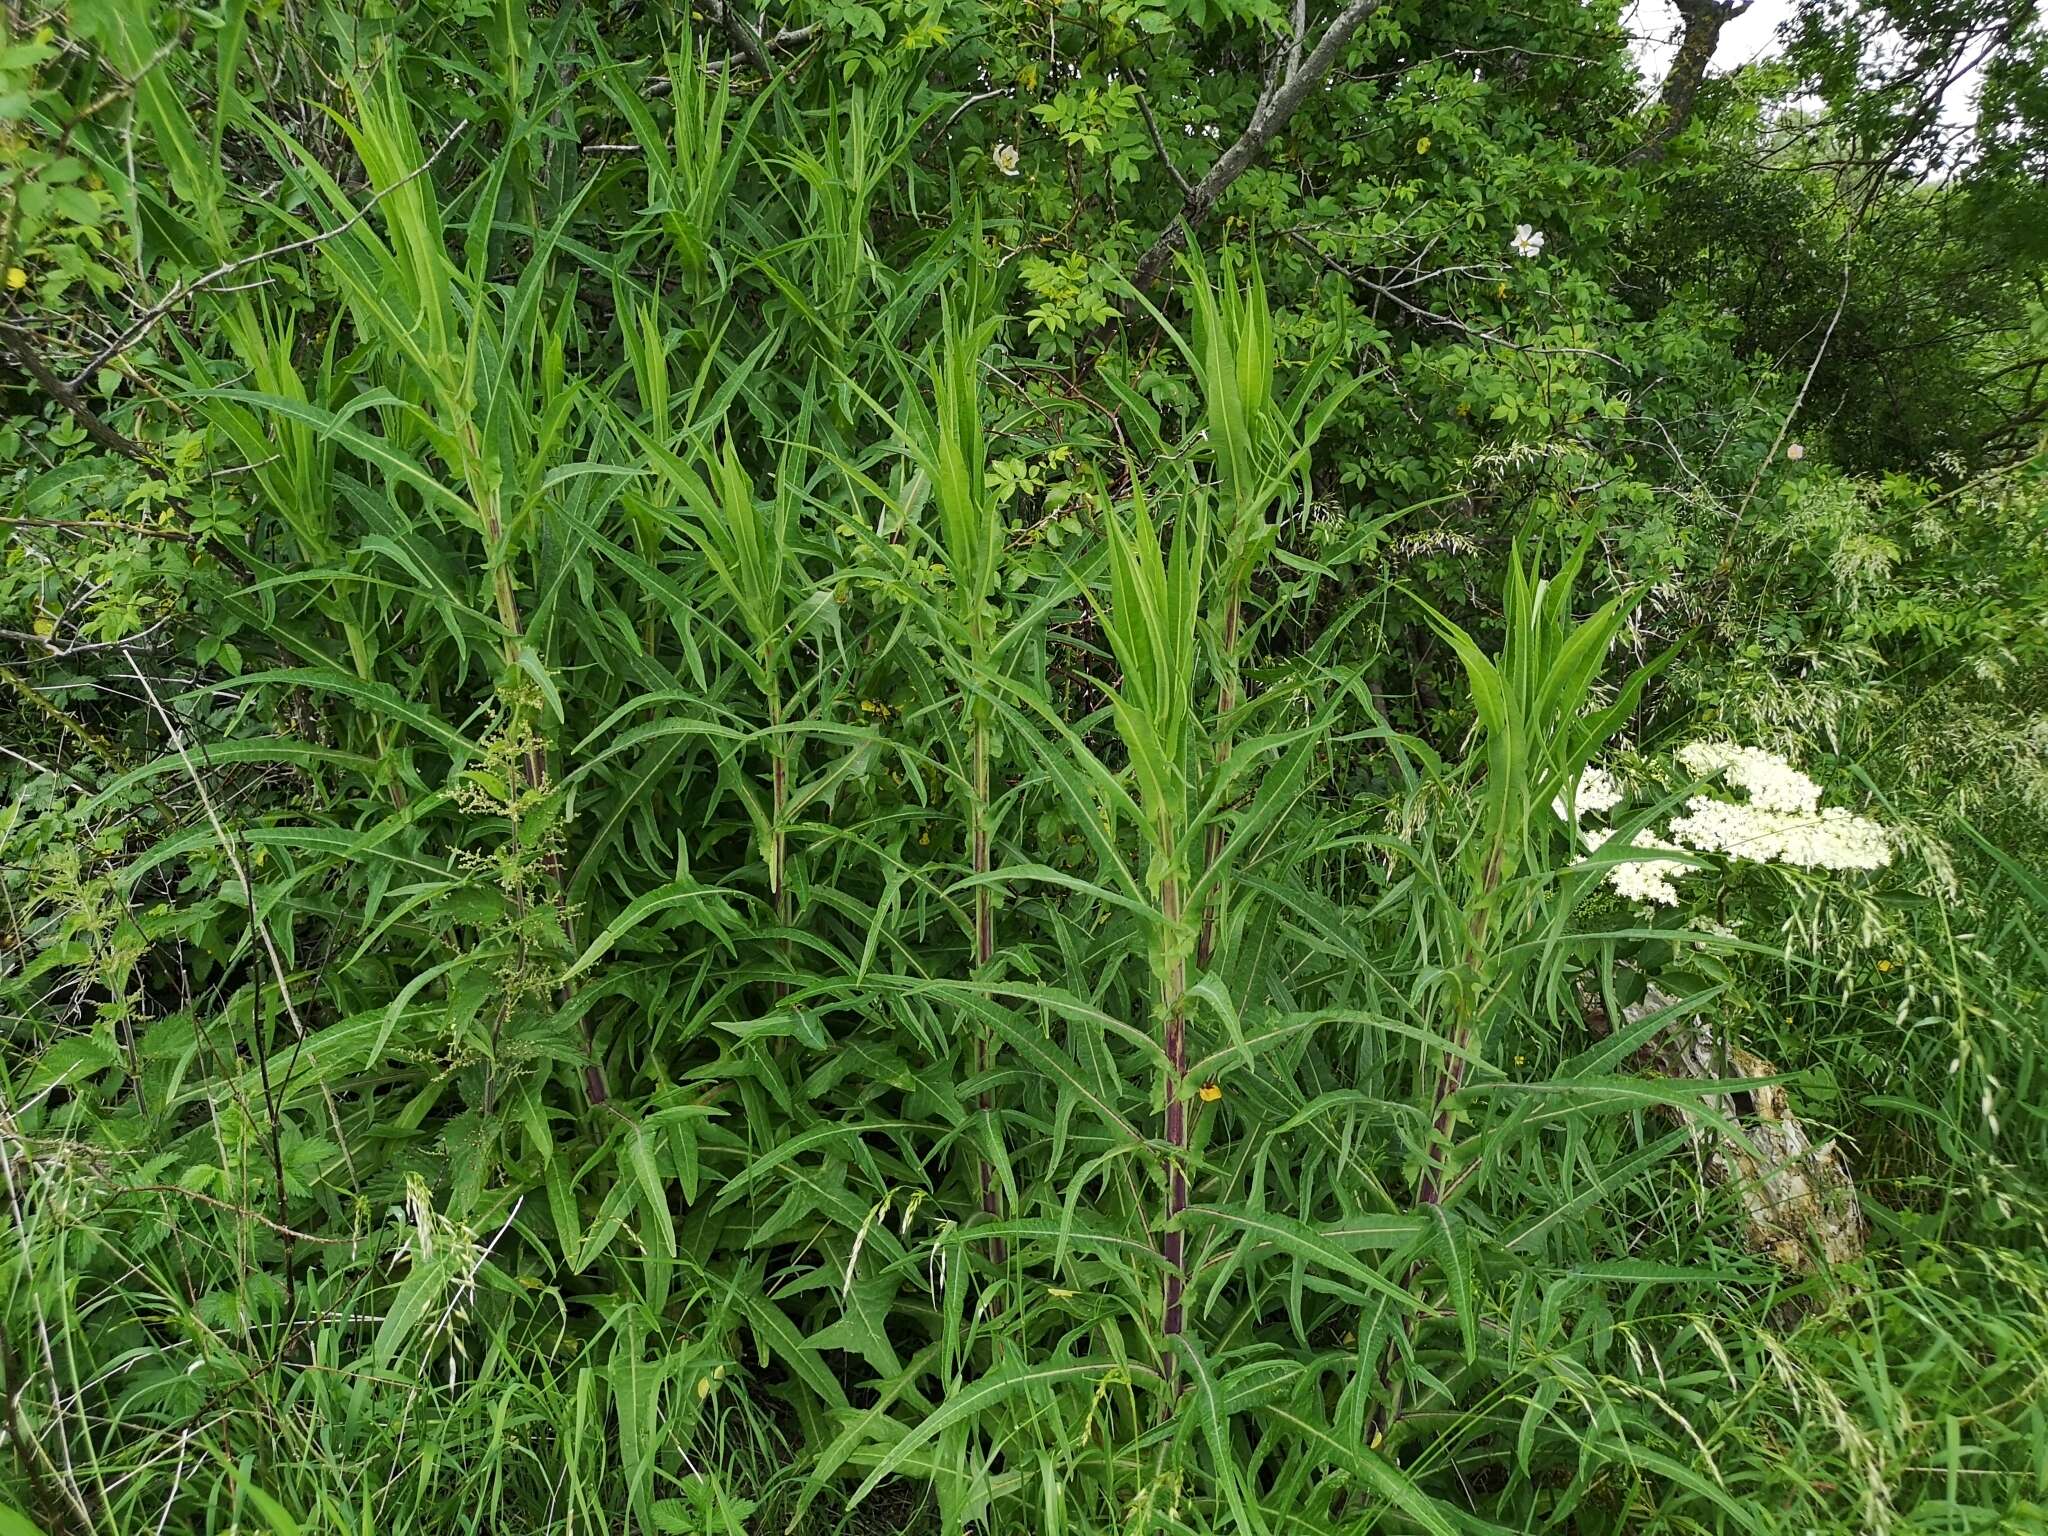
(229, 850)
(236, 1210)
(151, 317)
(19, 345)
(59, 770)
(1187, 187)
(60, 653)
(105, 524)
(1813, 368)
(1452, 322)
(1289, 85)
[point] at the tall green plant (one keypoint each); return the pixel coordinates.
(949, 445)
(1495, 908)
(1256, 437)
(1152, 624)
(691, 167)
(749, 544)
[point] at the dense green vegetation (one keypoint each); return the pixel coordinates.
(940, 766)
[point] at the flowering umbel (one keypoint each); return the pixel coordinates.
(1780, 822)
(1597, 794)
(1771, 783)
(1644, 879)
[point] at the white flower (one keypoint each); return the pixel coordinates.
(1782, 823)
(1829, 839)
(1772, 783)
(1528, 241)
(1647, 880)
(1795, 452)
(1597, 793)
(1006, 158)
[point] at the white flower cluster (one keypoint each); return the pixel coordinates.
(1645, 879)
(1781, 822)
(1597, 793)
(1773, 784)
(1829, 839)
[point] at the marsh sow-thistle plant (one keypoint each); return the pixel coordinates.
(1257, 438)
(678, 953)
(1152, 623)
(949, 446)
(748, 543)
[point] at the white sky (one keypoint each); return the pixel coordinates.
(1748, 37)
(1656, 29)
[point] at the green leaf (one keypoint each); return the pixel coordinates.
(997, 1386)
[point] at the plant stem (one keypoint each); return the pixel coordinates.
(1171, 1239)
(1431, 1188)
(594, 1086)
(1226, 701)
(984, 954)
(778, 801)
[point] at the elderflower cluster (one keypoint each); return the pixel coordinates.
(1781, 822)
(1773, 784)
(1597, 793)
(1829, 839)
(1645, 879)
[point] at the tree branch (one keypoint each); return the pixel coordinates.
(1159, 144)
(1848, 268)
(744, 36)
(147, 321)
(1296, 77)
(21, 347)
(1704, 20)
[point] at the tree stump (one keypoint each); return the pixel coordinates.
(1798, 1197)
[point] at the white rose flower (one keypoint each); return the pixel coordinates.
(1528, 241)
(1006, 158)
